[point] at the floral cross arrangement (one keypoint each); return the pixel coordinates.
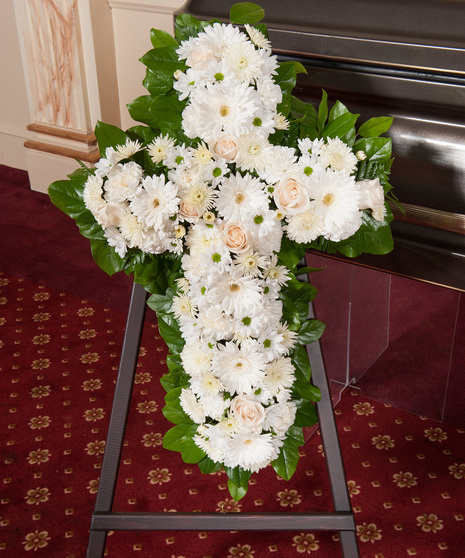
(211, 204)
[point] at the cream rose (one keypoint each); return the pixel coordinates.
(236, 237)
(371, 194)
(189, 212)
(249, 413)
(110, 214)
(226, 147)
(291, 197)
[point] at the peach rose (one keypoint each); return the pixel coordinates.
(371, 194)
(248, 412)
(236, 237)
(226, 147)
(291, 197)
(189, 212)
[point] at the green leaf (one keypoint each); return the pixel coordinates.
(190, 451)
(322, 112)
(187, 26)
(337, 110)
(157, 84)
(174, 437)
(375, 126)
(106, 257)
(290, 253)
(161, 113)
(286, 462)
(237, 492)
(306, 270)
(306, 413)
(169, 330)
(67, 196)
(88, 226)
(173, 412)
(163, 60)
(311, 331)
(340, 126)
(160, 38)
(161, 303)
(109, 136)
(238, 475)
(376, 149)
(373, 237)
(246, 12)
(207, 466)
(286, 76)
(301, 362)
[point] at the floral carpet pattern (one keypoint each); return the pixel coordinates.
(59, 358)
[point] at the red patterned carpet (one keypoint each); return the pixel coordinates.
(58, 360)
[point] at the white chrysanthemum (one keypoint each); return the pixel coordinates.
(200, 237)
(289, 337)
(222, 109)
(214, 324)
(250, 263)
(123, 182)
(229, 426)
(132, 230)
(379, 212)
(241, 369)
(182, 306)
(251, 451)
(339, 156)
(254, 152)
(214, 452)
(336, 198)
(92, 195)
(206, 384)
(128, 149)
(282, 163)
(305, 227)
(244, 60)
(279, 375)
(241, 196)
(190, 330)
(183, 284)
(277, 273)
(257, 37)
(201, 195)
(310, 147)
(156, 202)
(177, 156)
(280, 417)
(185, 176)
(196, 358)
(350, 227)
(269, 93)
(159, 147)
(104, 165)
(116, 239)
(236, 293)
(280, 122)
(214, 405)
(191, 406)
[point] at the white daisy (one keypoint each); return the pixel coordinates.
(182, 306)
(339, 156)
(240, 196)
(216, 259)
(279, 375)
(271, 342)
(200, 195)
(219, 36)
(159, 147)
(254, 152)
(132, 230)
(191, 406)
(236, 293)
(336, 198)
(275, 272)
(244, 60)
(196, 358)
(251, 451)
(206, 384)
(250, 262)
(156, 202)
(241, 369)
(305, 227)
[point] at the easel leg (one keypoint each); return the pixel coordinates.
(119, 415)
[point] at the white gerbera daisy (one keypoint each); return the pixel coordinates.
(92, 195)
(196, 358)
(159, 147)
(305, 227)
(251, 451)
(336, 198)
(206, 384)
(156, 202)
(338, 155)
(219, 36)
(244, 60)
(200, 195)
(223, 109)
(279, 375)
(132, 230)
(250, 263)
(289, 337)
(277, 273)
(191, 406)
(241, 369)
(236, 293)
(241, 196)
(257, 37)
(248, 326)
(254, 152)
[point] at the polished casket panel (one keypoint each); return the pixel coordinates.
(402, 59)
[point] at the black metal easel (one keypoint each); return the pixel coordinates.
(104, 519)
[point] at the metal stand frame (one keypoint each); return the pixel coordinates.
(104, 519)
